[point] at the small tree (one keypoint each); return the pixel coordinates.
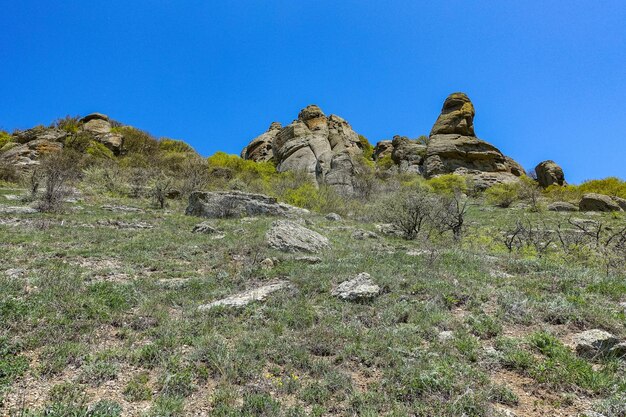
(530, 192)
(408, 211)
(57, 170)
(450, 214)
(195, 175)
(161, 186)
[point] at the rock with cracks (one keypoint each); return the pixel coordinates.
(359, 288)
(288, 236)
(225, 204)
(244, 298)
(595, 343)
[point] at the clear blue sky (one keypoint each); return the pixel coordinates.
(548, 78)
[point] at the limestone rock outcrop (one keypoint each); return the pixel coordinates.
(323, 147)
(407, 154)
(549, 173)
(99, 126)
(382, 149)
(260, 149)
(224, 204)
(454, 148)
(28, 154)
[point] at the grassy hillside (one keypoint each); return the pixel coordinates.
(99, 314)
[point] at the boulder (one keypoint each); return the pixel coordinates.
(333, 217)
(205, 228)
(244, 298)
(382, 149)
(94, 116)
(288, 236)
(562, 206)
(407, 154)
(97, 127)
(548, 173)
(594, 343)
(454, 148)
(260, 148)
(598, 202)
(221, 204)
(324, 148)
(361, 287)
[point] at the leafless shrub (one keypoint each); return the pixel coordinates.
(57, 170)
(195, 175)
(527, 234)
(408, 211)
(449, 214)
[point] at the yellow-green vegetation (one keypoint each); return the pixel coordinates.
(503, 195)
(384, 163)
(448, 184)
(611, 186)
(5, 138)
(235, 166)
(68, 123)
(368, 149)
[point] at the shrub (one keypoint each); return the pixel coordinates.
(137, 141)
(98, 150)
(68, 123)
(5, 138)
(612, 186)
(8, 173)
(448, 184)
(245, 169)
(384, 163)
(423, 140)
(502, 195)
(173, 145)
(368, 149)
(57, 170)
(530, 192)
(409, 211)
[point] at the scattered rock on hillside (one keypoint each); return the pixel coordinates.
(359, 288)
(598, 202)
(246, 297)
(309, 259)
(17, 210)
(260, 148)
(49, 134)
(595, 343)
(361, 234)
(99, 127)
(121, 209)
(549, 173)
(173, 283)
(224, 204)
(288, 236)
(562, 206)
(333, 217)
(454, 148)
(204, 227)
(323, 147)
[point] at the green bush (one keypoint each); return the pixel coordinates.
(612, 186)
(68, 123)
(368, 149)
(5, 138)
(502, 195)
(448, 184)
(137, 141)
(98, 151)
(173, 145)
(384, 163)
(242, 167)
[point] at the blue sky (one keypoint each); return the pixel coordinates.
(548, 78)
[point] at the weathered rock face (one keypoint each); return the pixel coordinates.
(382, 149)
(620, 202)
(288, 236)
(598, 202)
(408, 154)
(260, 149)
(323, 147)
(28, 154)
(223, 204)
(454, 148)
(596, 343)
(548, 173)
(457, 116)
(244, 298)
(99, 126)
(49, 134)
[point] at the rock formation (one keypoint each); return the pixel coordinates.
(99, 126)
(382, 149)
(454, 148)
(323, 147)
(222, 204)
(288, 236)
(408, 154)
(548, 173)
(260, 149)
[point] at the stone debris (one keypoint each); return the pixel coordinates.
(359, 288)
(246, 297)
(288, 236)
(17, 210)
(595, 343)
(122, 209)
